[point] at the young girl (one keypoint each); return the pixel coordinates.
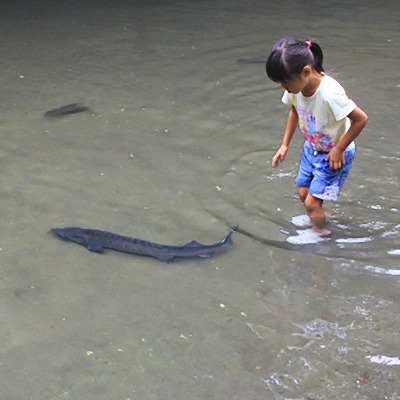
(327, 118)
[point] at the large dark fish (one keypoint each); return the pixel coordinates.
(72, 108)
(97, 241)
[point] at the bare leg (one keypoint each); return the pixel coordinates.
(314, 208)
(303, 193)
(316, 212)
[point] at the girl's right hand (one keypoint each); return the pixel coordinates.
(279, 156)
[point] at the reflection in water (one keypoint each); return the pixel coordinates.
(185, 127)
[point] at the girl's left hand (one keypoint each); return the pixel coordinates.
(336, 158)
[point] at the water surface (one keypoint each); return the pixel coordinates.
(178, 148)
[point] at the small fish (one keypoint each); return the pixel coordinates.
(96, 241)
(72, 108)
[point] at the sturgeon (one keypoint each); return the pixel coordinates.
(97, 241)
(72, 108)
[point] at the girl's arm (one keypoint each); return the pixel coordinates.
(336, 156)
(292, 122)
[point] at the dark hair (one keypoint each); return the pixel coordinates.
(290, 55)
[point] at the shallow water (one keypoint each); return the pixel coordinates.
(177, 148)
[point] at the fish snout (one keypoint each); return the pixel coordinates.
(58, 231)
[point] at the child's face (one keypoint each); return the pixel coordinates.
(302, 82)
(295, 85)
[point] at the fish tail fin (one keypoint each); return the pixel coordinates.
(235, 228)
(228, 238)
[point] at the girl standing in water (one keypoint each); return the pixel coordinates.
(328, 120)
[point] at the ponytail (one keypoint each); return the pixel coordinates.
(316, 50)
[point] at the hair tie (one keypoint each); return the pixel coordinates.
(308, 44)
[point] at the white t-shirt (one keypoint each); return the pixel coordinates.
(323, 116)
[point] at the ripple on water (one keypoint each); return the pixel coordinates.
(394, 252)
(263, 201)
(344, 355)
(384, 360)
(384, 271)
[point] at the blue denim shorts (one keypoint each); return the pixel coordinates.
(314, 172)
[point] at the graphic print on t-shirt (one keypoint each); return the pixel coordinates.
(308, 126)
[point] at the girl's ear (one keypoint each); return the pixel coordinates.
(307, 71)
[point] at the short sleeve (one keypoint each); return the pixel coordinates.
(288, 98)
(340, 105)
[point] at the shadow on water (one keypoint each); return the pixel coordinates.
(374, 248)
